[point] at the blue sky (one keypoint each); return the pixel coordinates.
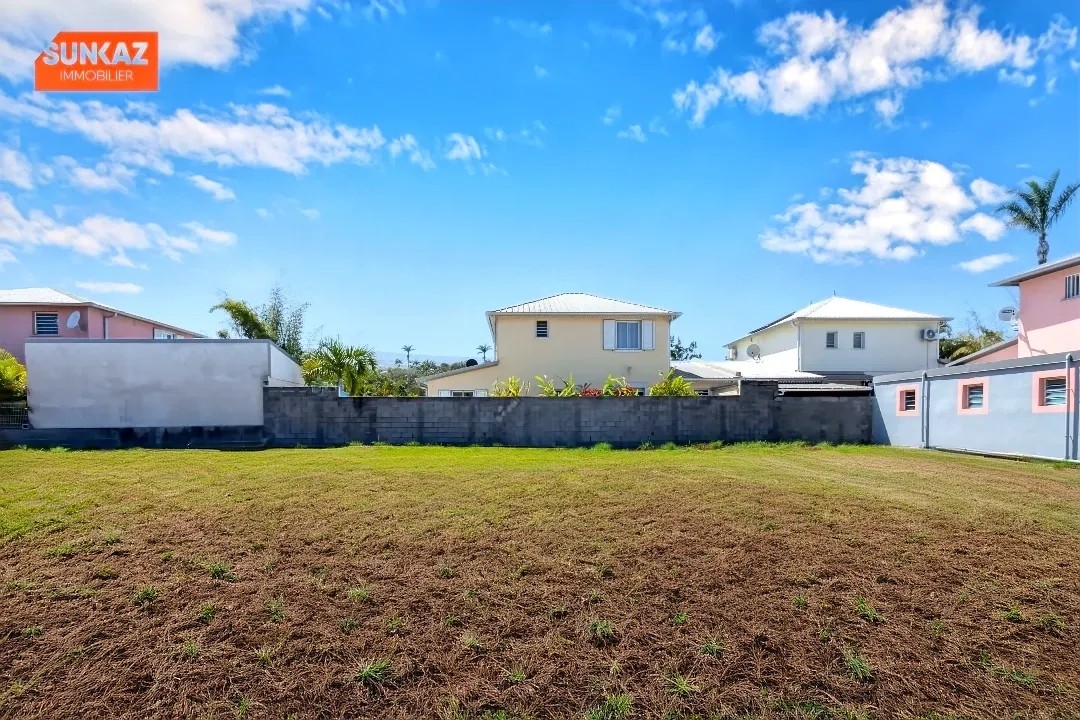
(406, 166)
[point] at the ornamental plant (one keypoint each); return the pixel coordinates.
(672, 385)
(12, 376)
(549, 389)
(511, 387)
(617, 387)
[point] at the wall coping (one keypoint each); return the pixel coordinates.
(979, 368)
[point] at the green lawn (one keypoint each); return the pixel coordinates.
(772, 581)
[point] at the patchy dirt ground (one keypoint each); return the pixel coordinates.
(428, 583)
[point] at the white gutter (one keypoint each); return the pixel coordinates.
(106, 319)
(924, 412)
(1069, 404)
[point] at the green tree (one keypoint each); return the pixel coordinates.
(683, 352)
(407, 349)
(975, 337)
(12, 377)
(483, 350)
(332, 362)
(1035, 209)
(275, 320)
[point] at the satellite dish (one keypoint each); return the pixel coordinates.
(1007, 314)
(753, 351)
(470, 362)
(73, 320)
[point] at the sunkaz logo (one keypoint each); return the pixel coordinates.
(98, 62)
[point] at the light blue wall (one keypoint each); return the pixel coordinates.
(1009, 426)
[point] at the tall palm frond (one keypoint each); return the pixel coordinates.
(245, 320)
(1033, 208)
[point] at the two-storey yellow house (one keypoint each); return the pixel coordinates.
(585, 335)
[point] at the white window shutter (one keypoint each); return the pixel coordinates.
(480, 393)
(609, 334)
(648, 342)
(444, 393)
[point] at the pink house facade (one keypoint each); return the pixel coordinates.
(1049, 320)
(43, 312)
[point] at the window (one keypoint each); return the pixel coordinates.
(166, 335)
(858, 340)
(733, 353)
(461, 393)
(541, 328)
(973, 396)
(1053, 391)
(909, 400)
(46, 324)
(703, 393)
(830, 339)
(628, 335)
(1072, 286)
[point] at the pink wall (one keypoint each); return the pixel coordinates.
(1005, 353)
(1048, 323)
(17, 324)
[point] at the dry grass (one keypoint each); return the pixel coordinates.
(466, 583)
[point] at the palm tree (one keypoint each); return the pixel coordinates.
(332, 361)
(277, 320)
(483, 350)
(407, 349)
(1034, 209)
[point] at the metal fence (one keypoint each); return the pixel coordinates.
(14, 415)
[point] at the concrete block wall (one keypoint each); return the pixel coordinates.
(318, 417)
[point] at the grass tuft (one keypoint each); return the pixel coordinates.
(472, 642)
(349, 624)
(1013, 614)
(858, 667)
(680, 618)
(802, 601)
(145, 597)
(374, 672)
(32, 632)
(190, 650)
(679, 684)
(222, 571)
(516, 675)
(614, 707)
(275, 610)
(1051, 623)
(359, 594)
(601, 631)
(867, 611)
(207, 613)
(713, 646)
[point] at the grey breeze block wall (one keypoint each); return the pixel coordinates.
(1009, 425)
(318, 417)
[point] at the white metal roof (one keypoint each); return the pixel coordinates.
(841, 308)
(1063, 264)
(40, 296)
(581, 304)
(728, 369)
(50, 296)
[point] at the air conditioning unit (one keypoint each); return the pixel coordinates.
(930, 334)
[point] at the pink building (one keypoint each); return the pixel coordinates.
(1049, 314)
(43, 312)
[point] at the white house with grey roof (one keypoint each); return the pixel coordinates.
(586, 336)
(840, 339)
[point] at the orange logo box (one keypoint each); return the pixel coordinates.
(98, 62)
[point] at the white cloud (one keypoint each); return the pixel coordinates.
(209, 33)
(986, 225)
(705, 40)
(103, 177)
(988, 193)
(540, 71)
(263, 213)
(383, 9)
(263, 135)
(408, 145)
(530, 134)
(819, 59)
(310, 213)
(1016, 77)
(986, 262)
(634, 132)
(901, 205)
(213, 187)
(15, 169)
(528, 28)
(463, 147)
(656, 127)
(612, 114)
(888, 107)
(109, 287)
(103, 236)
(218, 237)
(275, 91)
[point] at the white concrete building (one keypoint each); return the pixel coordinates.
(152, 383)
(840, 339)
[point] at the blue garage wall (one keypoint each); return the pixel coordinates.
(1009, 425)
